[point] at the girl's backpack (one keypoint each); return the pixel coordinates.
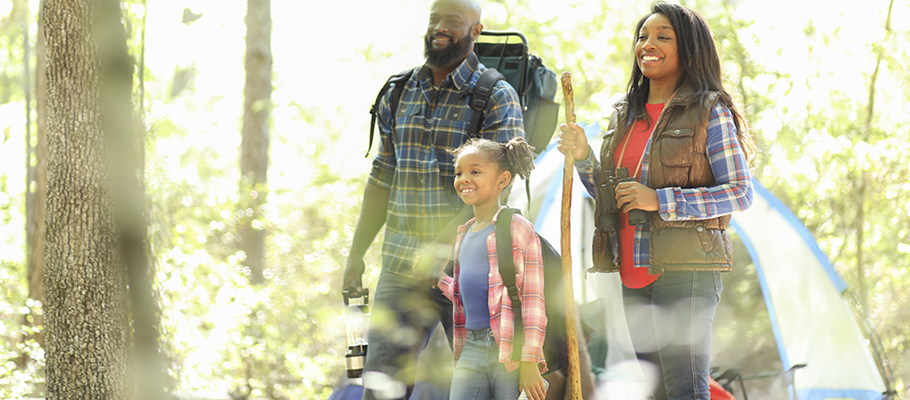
(555, 348)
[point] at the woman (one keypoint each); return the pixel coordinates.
(678, 133)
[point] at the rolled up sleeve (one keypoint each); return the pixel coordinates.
(733, 191)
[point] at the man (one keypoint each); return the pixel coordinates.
(410, 190)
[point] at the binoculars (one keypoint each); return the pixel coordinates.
(607, 211)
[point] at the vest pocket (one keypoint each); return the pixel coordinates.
(677, 145)
(696, 247)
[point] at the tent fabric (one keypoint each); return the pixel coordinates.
(812, 322)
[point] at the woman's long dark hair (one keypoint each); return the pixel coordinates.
(700, 64)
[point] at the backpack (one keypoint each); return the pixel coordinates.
(555, 345)
(534, 83)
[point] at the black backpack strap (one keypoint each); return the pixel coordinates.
(397, 83)
(480, 99)
(507, 270)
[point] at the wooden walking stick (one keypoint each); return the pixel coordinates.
(567, 174)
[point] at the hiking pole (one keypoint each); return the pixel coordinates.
(567, 174)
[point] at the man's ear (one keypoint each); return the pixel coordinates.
(476, 29)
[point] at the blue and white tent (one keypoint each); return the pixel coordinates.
(813, 323)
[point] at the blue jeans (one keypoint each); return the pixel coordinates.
(479, 375)
(670, 322)
(405, 314)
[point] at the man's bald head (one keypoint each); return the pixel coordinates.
(471, 9)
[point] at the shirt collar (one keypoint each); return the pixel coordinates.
(462, 73)
(685, 96)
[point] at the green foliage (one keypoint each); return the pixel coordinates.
(21, 361)
(281, 340)
(819, 153)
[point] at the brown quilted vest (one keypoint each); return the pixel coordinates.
(677, 159)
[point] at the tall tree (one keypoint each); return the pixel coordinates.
(36, 184)
(97, 262)
(254, 149)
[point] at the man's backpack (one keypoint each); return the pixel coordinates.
(534, 83)
(555, 345)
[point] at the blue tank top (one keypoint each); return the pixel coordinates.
(474, 278)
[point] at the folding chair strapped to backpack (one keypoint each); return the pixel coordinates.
(535, 83)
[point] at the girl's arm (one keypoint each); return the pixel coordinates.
(731, 172)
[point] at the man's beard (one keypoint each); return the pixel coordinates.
(448, 56)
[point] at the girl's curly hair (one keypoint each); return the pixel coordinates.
(515, 156)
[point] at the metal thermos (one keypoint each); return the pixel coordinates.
(356, 319)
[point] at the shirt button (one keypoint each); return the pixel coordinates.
(676, 132)
(426, 150)
(422, 180)
(700, 229)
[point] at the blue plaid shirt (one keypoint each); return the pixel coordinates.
(414, 161)
(728, 163)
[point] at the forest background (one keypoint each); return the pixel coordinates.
(823, 84)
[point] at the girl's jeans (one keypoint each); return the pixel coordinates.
(670, 322)
(479, 375)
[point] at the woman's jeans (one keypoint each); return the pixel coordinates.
(670, 322)
(479, 375)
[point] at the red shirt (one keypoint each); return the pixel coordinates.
(634, 144)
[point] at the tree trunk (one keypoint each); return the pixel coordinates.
(87, 323)
(864, 173)
(254, 149)
(126, 137)
(36, 188)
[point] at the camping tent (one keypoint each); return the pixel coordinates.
(812, 322)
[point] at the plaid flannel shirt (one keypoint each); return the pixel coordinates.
(529, 278)
(414, 163)
(731, 172)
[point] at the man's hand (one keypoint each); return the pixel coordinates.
(531, 382)
(430, 262)
(353, 277)
(372, 217)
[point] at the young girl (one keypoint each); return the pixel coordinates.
(483, 315)
(678, 132)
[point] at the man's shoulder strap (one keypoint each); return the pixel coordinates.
(397, 83)
(480, 99)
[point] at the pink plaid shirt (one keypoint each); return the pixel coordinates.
(529, 277)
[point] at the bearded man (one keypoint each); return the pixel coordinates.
(410, 191)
